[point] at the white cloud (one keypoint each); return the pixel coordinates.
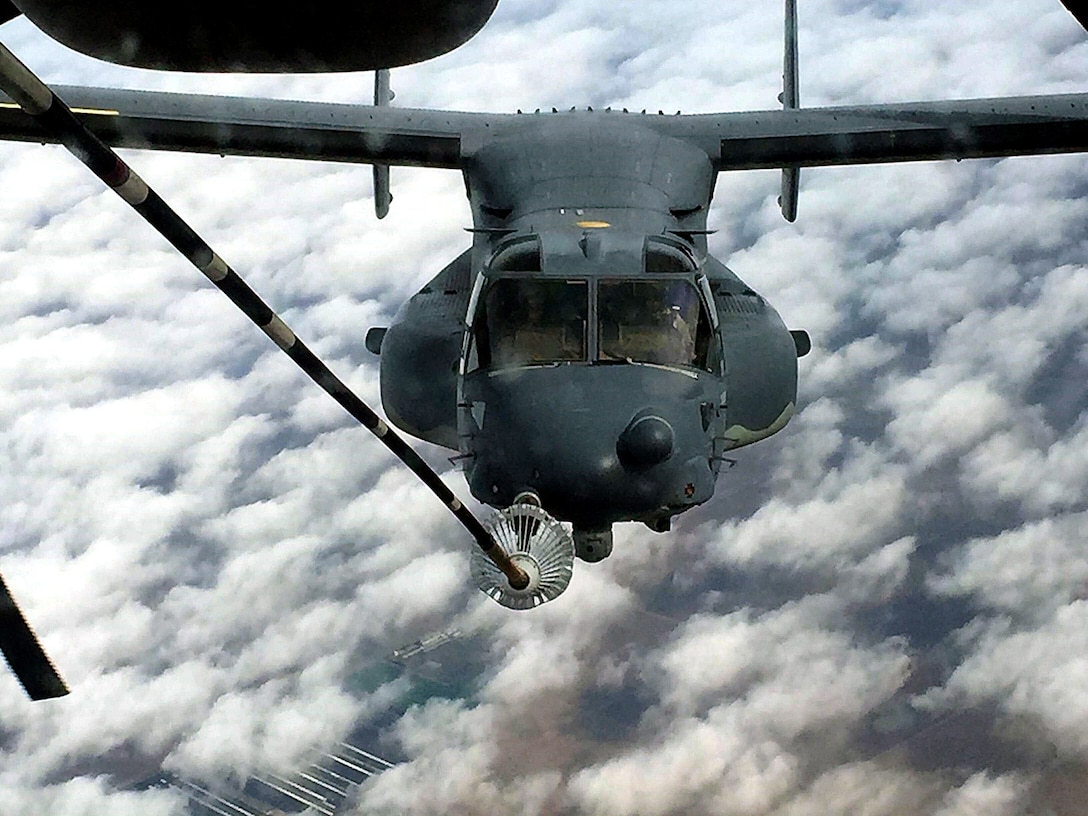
(865, 788)
(982, 795)
(206, 545)
(1036, 671)
(1034, 569)
(84, 796)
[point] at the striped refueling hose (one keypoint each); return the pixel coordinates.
(52, 114)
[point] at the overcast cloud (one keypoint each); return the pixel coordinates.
(884, 610)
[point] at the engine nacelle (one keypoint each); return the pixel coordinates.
(420, 353)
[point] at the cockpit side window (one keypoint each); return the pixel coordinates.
(531, 321)
(522, 255)
(662, 258)
(652, 321)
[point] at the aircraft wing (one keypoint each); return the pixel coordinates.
(239, 126)
(804, 137)
(911, 131)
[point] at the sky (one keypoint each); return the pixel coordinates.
(883, 610)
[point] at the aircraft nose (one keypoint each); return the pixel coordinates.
(646, 441)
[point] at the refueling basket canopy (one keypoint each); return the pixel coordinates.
(537, 543)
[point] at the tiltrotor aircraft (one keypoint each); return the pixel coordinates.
(586, 357)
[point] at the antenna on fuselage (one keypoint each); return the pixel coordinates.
(383, 195)
(791, 100)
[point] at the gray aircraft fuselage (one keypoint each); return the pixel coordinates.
(587, 348)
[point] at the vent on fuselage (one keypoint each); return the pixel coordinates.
(741, 303)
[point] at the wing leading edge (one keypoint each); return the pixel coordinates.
(806, 137)
(910, 131)
(788, 139)
(240, 126)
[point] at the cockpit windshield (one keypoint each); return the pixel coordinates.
(652, 321)
(523, 321)
(532, 321)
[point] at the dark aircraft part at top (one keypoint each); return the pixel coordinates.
(1079, 9)
(241, 35)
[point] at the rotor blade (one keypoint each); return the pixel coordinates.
(24, 653)
(35, 97)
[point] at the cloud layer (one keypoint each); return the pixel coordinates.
(882, 611)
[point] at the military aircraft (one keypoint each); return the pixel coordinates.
(588, 272)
